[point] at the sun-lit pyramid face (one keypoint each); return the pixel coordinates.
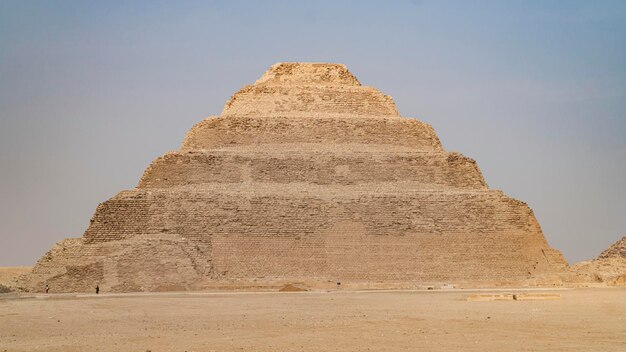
(306, 176)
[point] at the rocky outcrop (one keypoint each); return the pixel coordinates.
(306, 176)
(609, 268)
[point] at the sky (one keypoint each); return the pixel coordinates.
(92, 92)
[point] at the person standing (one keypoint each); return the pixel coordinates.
(97, 289)
(47, 288)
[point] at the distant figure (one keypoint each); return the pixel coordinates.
(47, 288)
(97, 289)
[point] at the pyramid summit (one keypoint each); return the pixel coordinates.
(309, 89)
(316, 73)
(306, 176)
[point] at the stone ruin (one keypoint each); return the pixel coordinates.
(306, 176)
(608, 269)
(616, 250)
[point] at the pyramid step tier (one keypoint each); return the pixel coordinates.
(301, 209)
(303, 101)
(348, 233)
(325, 165)
(218, 132)
(343, 253)
(310, 74)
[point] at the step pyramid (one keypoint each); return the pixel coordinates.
(306, 176)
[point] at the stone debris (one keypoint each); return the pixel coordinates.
(536, 296)
(307, 175)
(489, 297)
(292, 288)
(616, 250)
(608, 269)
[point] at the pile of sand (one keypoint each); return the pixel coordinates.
(9, 274)
(292, 288)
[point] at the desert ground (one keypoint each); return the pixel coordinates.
(591, 319)
(9, 272)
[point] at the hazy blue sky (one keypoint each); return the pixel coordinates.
(90, 93)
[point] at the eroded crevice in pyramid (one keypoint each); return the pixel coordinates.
(305, 176)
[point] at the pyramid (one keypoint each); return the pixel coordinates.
(616, 250)
(609, 268)
(306, 176)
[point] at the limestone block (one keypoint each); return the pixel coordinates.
(489, 297)
(536, 296)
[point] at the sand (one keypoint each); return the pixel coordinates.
(582, 320)
(7, 273)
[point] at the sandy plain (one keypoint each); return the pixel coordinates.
(592, 319)
(9, 272)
